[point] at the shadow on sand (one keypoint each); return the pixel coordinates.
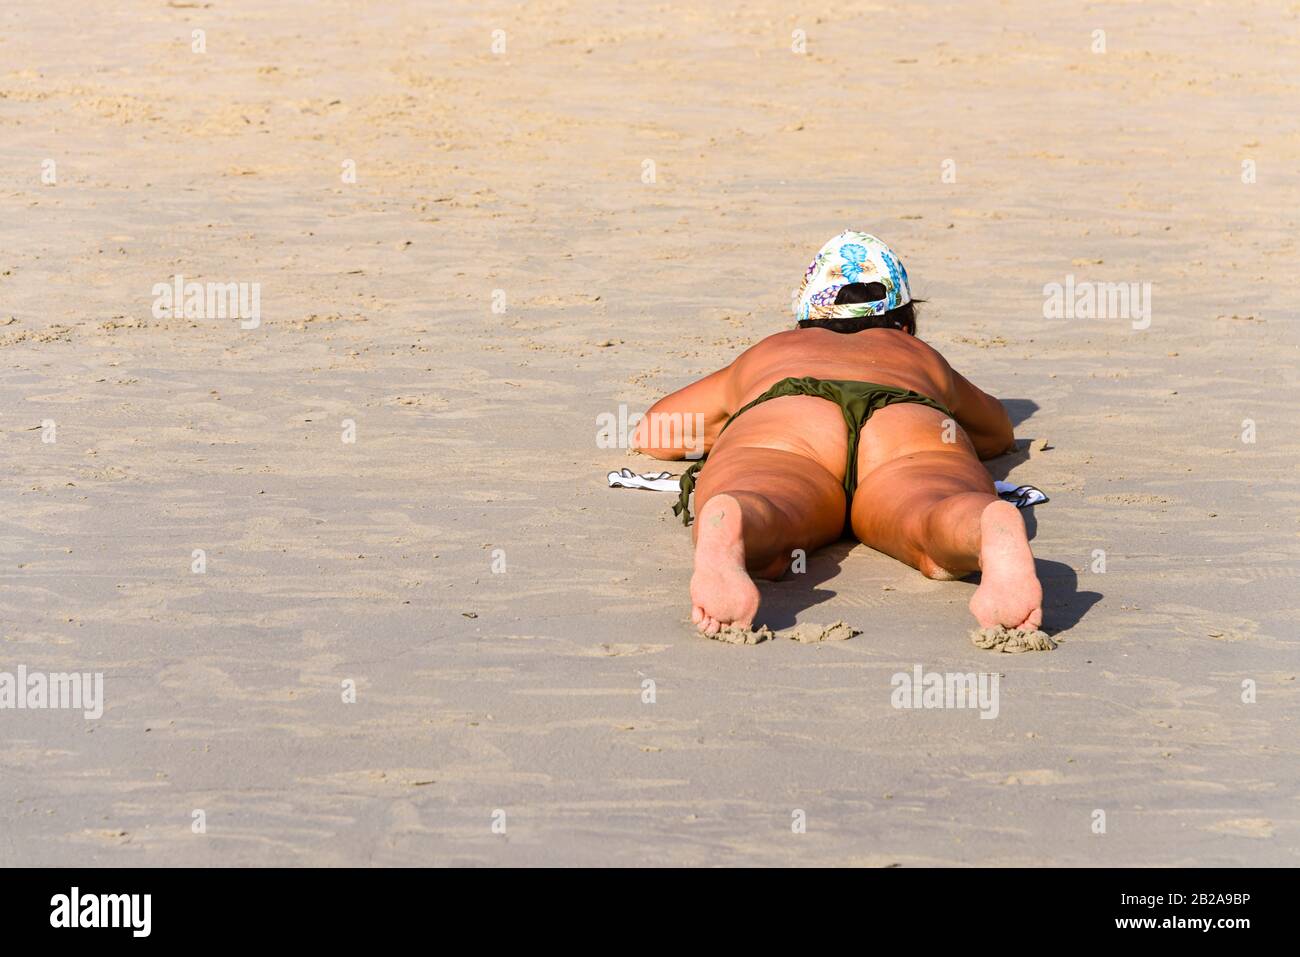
(1063, 604)
(1020, 410)
(783, 601)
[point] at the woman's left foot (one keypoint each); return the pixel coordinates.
(722, 593)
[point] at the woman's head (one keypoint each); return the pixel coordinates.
(902, 318)
(855, 282)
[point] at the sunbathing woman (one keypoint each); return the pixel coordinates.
(846, 422)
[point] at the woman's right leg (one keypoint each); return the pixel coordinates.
(938, 512)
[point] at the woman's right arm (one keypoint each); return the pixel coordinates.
(983, 418)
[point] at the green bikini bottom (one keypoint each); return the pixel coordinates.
(857, 400)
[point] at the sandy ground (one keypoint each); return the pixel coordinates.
(521, 691)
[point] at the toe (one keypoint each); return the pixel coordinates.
(697, 614)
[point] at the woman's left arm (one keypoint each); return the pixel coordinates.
(686, 423)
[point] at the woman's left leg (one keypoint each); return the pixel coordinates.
(753, 508)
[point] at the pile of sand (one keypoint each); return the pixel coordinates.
(1011, 640)
(806, 633)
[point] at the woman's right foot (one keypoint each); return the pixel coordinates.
(1009, 593)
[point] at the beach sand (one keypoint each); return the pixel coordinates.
(619, 202)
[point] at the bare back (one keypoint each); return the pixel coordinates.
(886, 356)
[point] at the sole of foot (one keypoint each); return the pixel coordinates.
(722, 593)
(1009, 593)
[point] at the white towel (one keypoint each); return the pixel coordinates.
(1021, 496)
(656, 482)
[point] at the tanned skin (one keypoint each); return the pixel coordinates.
(774, 481)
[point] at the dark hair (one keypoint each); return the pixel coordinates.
(904, 317)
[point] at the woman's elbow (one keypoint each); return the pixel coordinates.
(994, 446)
(645, 441)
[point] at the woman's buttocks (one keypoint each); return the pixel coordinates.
(802, 424)
(906, 428)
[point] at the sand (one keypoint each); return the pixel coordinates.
(805, 632)
(1011, 640)
(811, 632)
(735, 635)
(396, 637)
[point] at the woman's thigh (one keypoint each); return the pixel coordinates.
(891, 504)
(910, 458)
(807, 502)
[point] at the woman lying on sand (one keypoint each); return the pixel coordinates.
(784, 473)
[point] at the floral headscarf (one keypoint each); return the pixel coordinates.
(851, 257)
